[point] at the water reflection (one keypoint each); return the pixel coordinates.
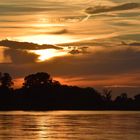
(70, 125)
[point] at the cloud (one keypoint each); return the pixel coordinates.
(78, 50)
(26, 45)
(20, 57)
(101, 62)
(102, 9)
(21, 9)
(17, 7)
(131, 44)
(58, 32)
(102, 59)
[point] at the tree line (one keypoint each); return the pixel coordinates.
(41, 92)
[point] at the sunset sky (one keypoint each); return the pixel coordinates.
(91, 42)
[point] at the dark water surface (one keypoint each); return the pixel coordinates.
(70, 125)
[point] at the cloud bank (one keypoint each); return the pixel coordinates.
(26, 45)
(103, 9)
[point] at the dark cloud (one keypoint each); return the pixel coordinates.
(99, 63)
(26, 45)
(24, 9)
(78, 50)
(131, 44)
(20, 57)
(17, 27)
(7, 20)
(105, 62)
(31, 7)
(83, 43)
(74, 51)
(58, 32)
(102, 9)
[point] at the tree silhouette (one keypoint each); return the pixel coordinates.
(6, 80)
(137, 100)
(137, 97)
(40, 79)
(107, 94)
(6, 96)
(122, 98)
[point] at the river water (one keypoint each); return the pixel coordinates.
(70, 125)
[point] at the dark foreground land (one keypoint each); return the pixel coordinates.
(41, 92)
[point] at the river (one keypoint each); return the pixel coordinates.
(70, 125)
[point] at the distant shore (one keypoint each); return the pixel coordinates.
(41, 93)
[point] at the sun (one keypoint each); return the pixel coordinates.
(47, 54)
